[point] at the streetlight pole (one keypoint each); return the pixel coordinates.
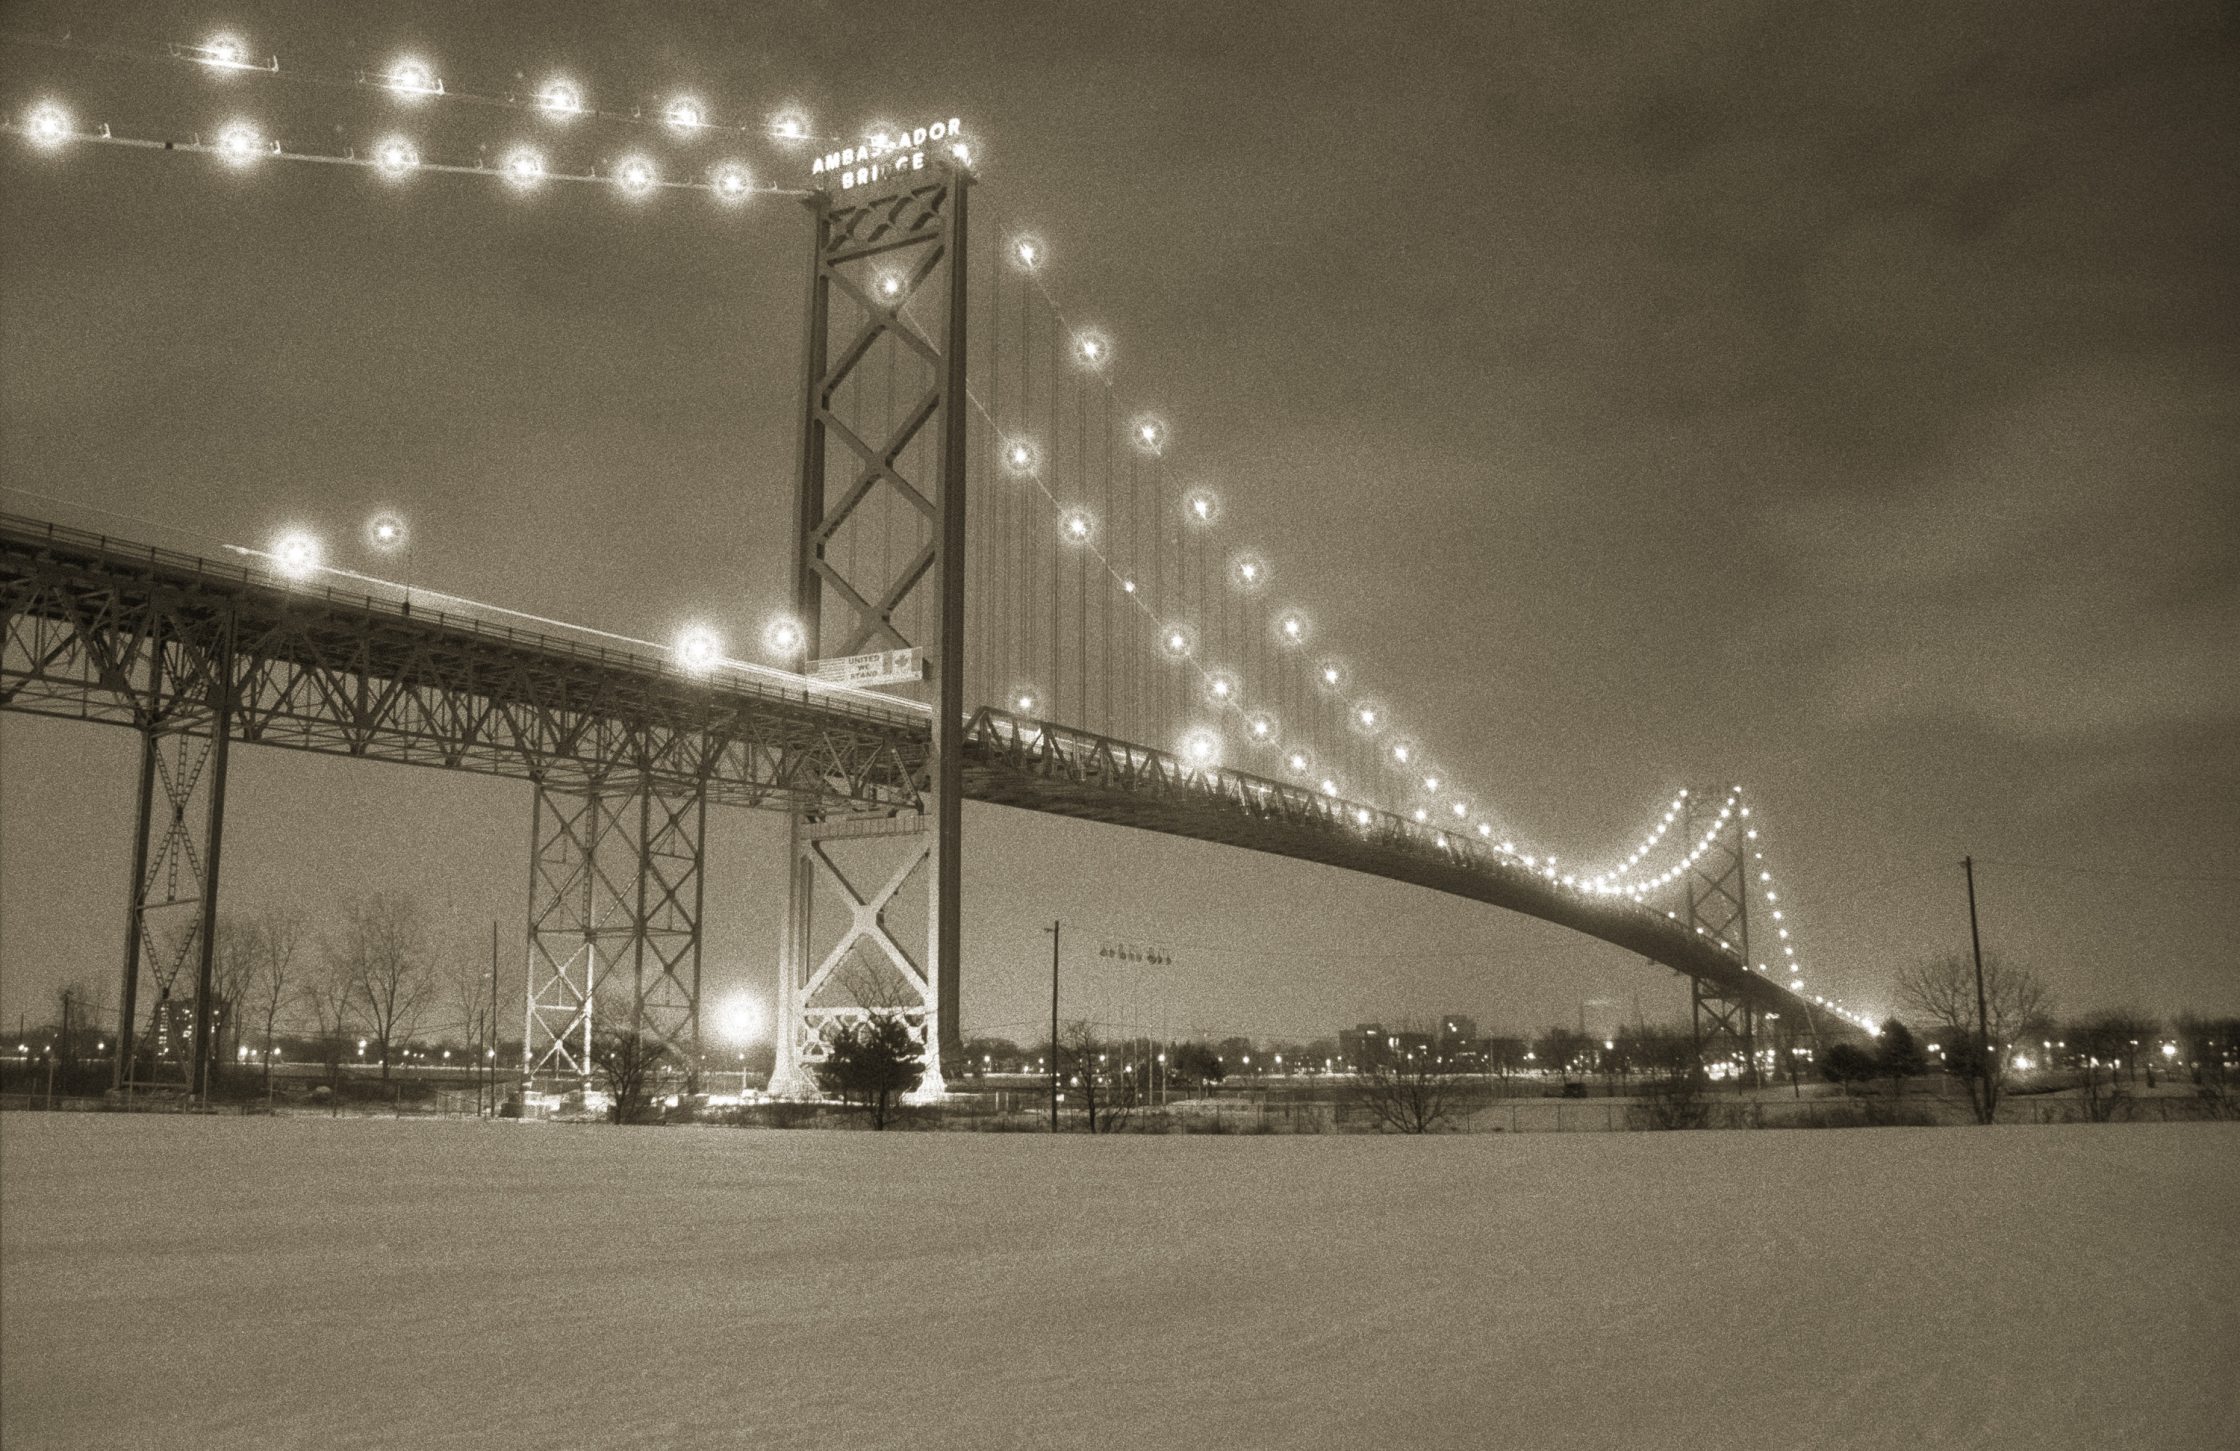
(1983, 1009)
(1053, 931)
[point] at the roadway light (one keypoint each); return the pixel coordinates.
(1027, 252)
(1221, 687)
(1332, 676)
(733, 183)
(685, 115)
(560, 99)
(789, 126)
(386, 532)
(49, 126)
(395, 156)
(1019, 456)
(636, 176)
(1248, 573)
(1091, 349)
(1149, 433)
(524, 168)
(413, 78)
(1077, 526)
(1292, 626)
(225, 53)
(1201, 747)
(699, 649)
(297, 554)
(784, 637)
(240, 144)
(1201, 506)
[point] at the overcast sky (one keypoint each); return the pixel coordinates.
(1836, 399)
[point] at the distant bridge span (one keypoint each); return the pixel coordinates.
(102, 629)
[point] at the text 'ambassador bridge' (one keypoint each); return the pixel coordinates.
(1003, 592)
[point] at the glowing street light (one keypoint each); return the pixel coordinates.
(1150, 434)
(1027, 252)
(413, 78)
(636, 175)
(784, 637)
(297, 554)
(395, 156)
(1249, 573)
(1261, 727)
(1332, 675)
(1368, 717)
(1299, 763)
(225, 53)
(789, 126)
(1019, 456)
(732, 182)
(685, 115)
(524, 168)
(890, 285)
(1221, 687)
(1292, 627)
(386, 532)
(240, 144)
(1201, 506)
(699, 649)
(1077, 526)
(1091, 349)
(1025, 702)
(49, 126)
(560, 99)
(1201, 747)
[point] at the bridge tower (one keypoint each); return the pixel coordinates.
(879, 565)
(1718, 888)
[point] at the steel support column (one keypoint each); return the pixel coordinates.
(890, 476)
(615, 891)
(185, 718)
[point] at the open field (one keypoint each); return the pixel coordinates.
(262, 1282)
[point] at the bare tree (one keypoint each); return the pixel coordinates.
(326, 991)
(279, 936)
(1411, 1090)
(626, 1060)
(383, 951)
(1105, 1089)
(234, 951)
(2014, 1004)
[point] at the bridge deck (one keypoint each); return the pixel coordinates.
(85, 619)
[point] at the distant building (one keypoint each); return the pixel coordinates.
(1457, 1032)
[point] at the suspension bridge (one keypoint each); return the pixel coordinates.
(1005, 589)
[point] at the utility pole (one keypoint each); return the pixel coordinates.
(1053, 931)
(490, 1028)
(1983, 1010)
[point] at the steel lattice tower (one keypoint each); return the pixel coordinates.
(1718, 886)
(879, 555)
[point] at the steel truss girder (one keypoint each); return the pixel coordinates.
(918, 226)
(355, 675)
(615, 895)
(1042, 766)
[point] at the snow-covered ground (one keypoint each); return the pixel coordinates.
(246, 1283)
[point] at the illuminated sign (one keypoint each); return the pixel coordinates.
(885, 154)
(880, 667)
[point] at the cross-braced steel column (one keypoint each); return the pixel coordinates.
(879, 552)
(1718, 907)
(615, 891)
(186, 718)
